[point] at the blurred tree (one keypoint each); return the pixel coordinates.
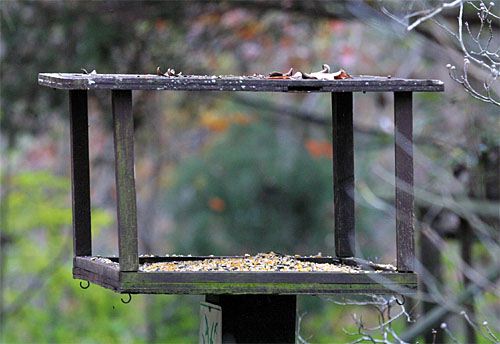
(245, 197)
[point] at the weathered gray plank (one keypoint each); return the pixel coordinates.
(267, 283)
(80, 173)
(123, 125)
(233, 83)
(265, 277)
(343, 173)
(403, 134)
(97, 267)
(99, 279)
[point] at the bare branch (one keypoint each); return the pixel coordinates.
(434, 12)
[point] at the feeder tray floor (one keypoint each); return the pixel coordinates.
(267, 273)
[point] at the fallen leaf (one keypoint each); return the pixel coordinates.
(280, 75)
(343, 75)
(85, 71)
(170, 72)
(323, 74)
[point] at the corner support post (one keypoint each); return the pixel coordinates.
(343, 173)
(123, 129)
(403, 134)
(80, 173)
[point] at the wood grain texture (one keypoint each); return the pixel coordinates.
(403, 135)
(343, 173)
(233, 83)
(80, 173)
(123, 126)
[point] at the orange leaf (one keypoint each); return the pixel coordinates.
(217, 204)
(319, 149)
(343, 75)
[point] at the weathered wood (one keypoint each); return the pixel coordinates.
(234, 83)
(100, 268)
(99, 279)
(123, 126)
(257, 318)
(96, 272)
(263, 277)
(200, 283)
(403, 136)
(343, 173)
(126, 278)
(80, 173)
(222, 288)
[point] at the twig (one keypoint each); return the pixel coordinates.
(434, 12)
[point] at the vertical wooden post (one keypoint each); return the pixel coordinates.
(403, 133)
(257, 318)
(123, 126)
(80, 173)
(343, 173)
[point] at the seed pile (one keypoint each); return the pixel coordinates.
(261, 262)
(105, 261)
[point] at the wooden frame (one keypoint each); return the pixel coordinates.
(126, 277)
(202, 283)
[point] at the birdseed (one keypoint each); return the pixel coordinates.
(262, 262)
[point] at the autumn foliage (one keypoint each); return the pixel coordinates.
(319, 149)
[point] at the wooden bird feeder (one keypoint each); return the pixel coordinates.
(273, 293)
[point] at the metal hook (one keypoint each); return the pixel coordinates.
(129, 299)
(86, 287)
(402, 302)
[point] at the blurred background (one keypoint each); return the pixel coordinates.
(221, 173)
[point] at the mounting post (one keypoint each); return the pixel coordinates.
(257, 318)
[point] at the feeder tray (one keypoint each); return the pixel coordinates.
(131, 273)
(199, 275)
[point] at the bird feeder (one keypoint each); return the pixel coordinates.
(273, 291)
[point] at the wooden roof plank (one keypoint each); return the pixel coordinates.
(230, 83)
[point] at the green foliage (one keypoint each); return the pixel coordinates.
(36, 259)
(39, 199)
(255, 191)
(42, 302)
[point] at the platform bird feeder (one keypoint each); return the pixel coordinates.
(269, 296)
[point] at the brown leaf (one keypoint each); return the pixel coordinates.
(280, 75)
(343, 75)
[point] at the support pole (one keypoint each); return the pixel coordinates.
(123, 126)
(257, 318)
(80, 173)
(403, 133)
(343, 173)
